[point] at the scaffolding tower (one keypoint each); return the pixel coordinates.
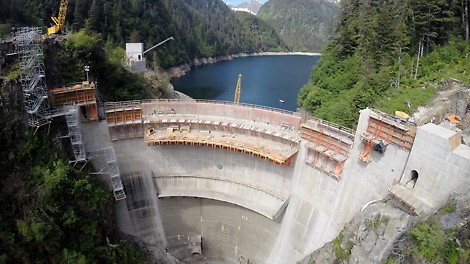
(73, 125)
(32, 74)
(118, 188)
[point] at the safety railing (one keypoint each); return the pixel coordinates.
(116, 105)
(272, 109)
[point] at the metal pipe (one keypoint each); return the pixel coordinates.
(158, 44)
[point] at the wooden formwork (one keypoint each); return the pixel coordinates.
(385, 129)
(78, 94)
(283, 161)
(328, 150)
(226, 127)
(82, 95)
(125, 122)
(220, 134)
(390, 132)
(326, 160)
(326, 139)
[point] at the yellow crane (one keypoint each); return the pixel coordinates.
(59, 21)
(236, 98)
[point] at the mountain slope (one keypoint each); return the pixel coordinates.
(385, 53)
(254, 6)
(304, 25)
(200, 28)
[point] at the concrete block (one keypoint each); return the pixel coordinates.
(439, 136)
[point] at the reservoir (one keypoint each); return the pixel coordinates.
(272, 81)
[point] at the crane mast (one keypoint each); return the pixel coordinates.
(59, 21)
(236, 98)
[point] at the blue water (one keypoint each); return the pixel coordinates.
(265, 81)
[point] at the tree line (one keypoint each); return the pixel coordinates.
(200, 28)
(388, 52)
(304, 25)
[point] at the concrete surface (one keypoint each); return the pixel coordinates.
(251, 210)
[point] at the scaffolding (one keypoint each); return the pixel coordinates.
(35, 92)
(115, 176)
(73, 125)
(32, 75)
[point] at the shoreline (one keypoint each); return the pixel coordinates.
(180, 70)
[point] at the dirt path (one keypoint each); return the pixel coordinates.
(453, 97)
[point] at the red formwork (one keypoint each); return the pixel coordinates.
(125, 122)
(328, 147)
(82, 95)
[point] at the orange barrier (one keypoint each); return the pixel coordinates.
(454, 119)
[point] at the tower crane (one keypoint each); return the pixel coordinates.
(236, 98)
(59, 21)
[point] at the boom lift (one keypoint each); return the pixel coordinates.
(59, 21)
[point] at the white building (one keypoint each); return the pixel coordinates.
(135, 54)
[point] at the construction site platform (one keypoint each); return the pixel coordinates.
(344, 135)
(79, 94)
(406, 197)
(329, 153)
(258, 139)
(391, 120)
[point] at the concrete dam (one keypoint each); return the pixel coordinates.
(213, 181)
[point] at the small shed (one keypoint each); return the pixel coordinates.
(135, 54)
(135, 51)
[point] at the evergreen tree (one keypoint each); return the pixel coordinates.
(380, 49)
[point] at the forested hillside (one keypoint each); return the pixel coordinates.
(389, 55)
(53, 211)
(304, 25)
(200, 28)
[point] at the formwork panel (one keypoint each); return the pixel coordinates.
(124, 120)
(383, 127)
(79, 94)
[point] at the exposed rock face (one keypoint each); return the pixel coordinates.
(453, 97)
(367, 238)
(380, 232)
(10, 93)
(444, 237)
(181, 70)
(252, 6)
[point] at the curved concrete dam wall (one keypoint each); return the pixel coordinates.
(215, 181)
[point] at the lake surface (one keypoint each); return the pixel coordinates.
(265, 81)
